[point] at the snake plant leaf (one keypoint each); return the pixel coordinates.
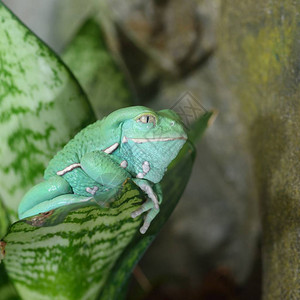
(88, 253)
(41, 107)
(97, 70)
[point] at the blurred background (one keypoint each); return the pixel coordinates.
(210, 247)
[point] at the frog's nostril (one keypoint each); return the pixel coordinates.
(172, 123)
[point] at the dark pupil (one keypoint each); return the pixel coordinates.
(148, 118)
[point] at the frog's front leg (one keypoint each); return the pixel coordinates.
(151, 205)
(100, 167)
(41, 193)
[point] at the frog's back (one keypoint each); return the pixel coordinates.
(73, 150)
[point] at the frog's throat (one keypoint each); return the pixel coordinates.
(145, 140)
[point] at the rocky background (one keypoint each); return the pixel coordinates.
(236, 57)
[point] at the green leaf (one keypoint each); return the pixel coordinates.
(50, 254)
(41, 107)
(97, 70)
(45, 262)
(198, 127)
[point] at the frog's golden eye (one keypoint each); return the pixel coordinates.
(147, 119)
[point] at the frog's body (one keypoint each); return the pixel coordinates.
(88, 140)
(133, 142)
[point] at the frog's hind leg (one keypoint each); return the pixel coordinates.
(54, 203)
(44, 191)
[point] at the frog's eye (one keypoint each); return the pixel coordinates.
(147, 119)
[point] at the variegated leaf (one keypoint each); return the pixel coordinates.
(74, 258)
(41, 107)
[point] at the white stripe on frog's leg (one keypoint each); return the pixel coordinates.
(68, 169)
(111, 148)
(93, 190)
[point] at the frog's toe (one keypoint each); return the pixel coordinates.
(152, 212)
(149, 218)
(136, 213)
(144, 228)
(144, 207)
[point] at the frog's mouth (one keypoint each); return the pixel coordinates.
(145, 140)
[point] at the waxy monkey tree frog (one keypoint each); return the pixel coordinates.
(134, 142)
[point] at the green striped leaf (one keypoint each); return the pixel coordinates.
(97, 70)
(41, 107)
(72, 259)
(87, 251)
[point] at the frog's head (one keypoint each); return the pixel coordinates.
(150, 141)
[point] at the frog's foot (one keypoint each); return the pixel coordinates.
(42, 193)
(146, 187)
(54, 203)
(149, 206)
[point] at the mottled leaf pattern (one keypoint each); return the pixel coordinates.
(41, 107)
